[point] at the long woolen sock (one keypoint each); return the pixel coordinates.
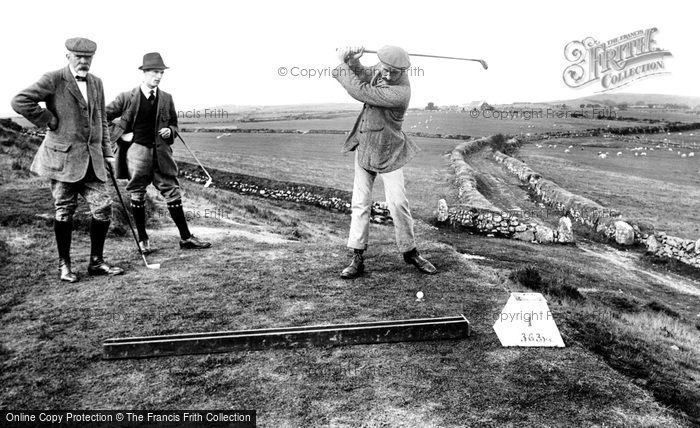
(178, 215)
(63, 231)
(98, 234)
(138, 209)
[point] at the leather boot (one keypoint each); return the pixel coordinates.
(63, 231)
(66, 274)
(356, 267)
(97, 266)
(193, 243)
(414, 258)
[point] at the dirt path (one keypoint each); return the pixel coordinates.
(629, 261)
(505, 191)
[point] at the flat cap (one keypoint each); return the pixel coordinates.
(394, 56)
(81, 46)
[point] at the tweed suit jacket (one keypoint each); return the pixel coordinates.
(81, 135)
(125, 108)
(377, 135)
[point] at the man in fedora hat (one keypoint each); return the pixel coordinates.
(146, 130)
(381, 148)
(75, 150)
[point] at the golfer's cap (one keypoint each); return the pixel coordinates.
(81, 46)
(394, 56)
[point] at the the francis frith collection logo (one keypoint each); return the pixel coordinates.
(615, 63)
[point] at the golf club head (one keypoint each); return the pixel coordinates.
(208, 183)
(150, 266)
(483, 64)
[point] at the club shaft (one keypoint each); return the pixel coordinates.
(436, 56)
(194, 156)
(126, 213)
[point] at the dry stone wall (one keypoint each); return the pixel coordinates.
(479, 215)
(322, 197)
(605, 221)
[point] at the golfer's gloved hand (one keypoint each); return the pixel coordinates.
(342, 53)
(356, 52)
(350, 53)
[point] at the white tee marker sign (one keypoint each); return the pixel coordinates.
(526, 321)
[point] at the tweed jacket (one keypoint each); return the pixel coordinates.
(125, 108)
(377, 136)
(81, 135)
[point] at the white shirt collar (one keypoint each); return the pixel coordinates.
(147, 91)
(82, 85)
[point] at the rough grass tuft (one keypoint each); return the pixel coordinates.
(500, 142)
(661, 308)
(20, 164)
(528, 277)
(554, 284)
(4, 252)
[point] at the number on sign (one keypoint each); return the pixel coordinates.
(534, 337)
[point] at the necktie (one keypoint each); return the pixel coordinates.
(152, 97)
(81, 78)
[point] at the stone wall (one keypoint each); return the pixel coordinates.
(322, 197)
(605, 221)
(505, 225)
(662, 245)
(581, 210)
(479, 215)
(465, 175)
(628, 130)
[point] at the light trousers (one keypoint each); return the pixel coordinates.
(362, 207)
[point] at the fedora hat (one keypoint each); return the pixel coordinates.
(153, 61)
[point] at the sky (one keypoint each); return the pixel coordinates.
(230, 53)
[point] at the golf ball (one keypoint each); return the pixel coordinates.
(419, 295)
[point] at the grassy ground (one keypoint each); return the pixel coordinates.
(277, 265)
(631, 357)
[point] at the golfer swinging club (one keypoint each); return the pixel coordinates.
(381, 147)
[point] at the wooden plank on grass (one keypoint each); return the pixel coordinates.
(288, 337)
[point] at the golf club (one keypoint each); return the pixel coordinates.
(131, 226)
(208, 183)
(481, 61)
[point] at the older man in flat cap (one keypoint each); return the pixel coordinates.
(146, 130)
(75, 150)
(381, 148)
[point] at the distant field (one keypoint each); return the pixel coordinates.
(676, 116)
(447, 122)
(317, 159)
(342, 117)
(661, 187)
